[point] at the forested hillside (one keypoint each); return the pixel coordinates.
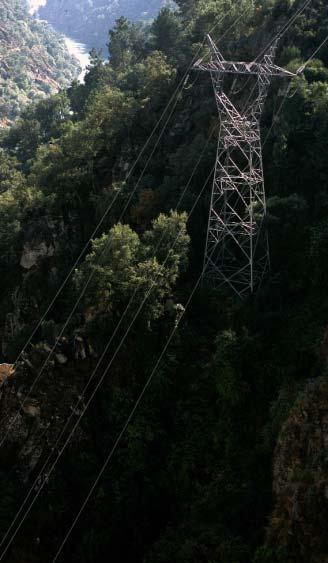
(89, 22)
(33, 60)
(225, 457)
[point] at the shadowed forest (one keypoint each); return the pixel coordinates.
(225, 458)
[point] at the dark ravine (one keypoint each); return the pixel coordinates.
(225, 458)
(31, 423)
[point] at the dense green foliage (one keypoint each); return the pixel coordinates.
(33, 60)
(191, 481)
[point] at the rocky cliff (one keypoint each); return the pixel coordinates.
(32, 418)
(298, 526)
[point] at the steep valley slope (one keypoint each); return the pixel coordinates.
(34, 61)
(217, 407)
(88, 22)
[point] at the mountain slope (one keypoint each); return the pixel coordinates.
(190, 480)
(33, 60)
(89, 22)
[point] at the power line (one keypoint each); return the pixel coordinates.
(49, 472)
(227, 31)
(80, 401)
(127, 423)
(281, 33)
(285, 97)
(200, 194)
(85, 287)
(89, 279)
(176, 93)
(130, 417)
(136, 405)
(285, 28)
(104, 216)
(92, 396)
(302, 67)
(94, 233)
(194, 168)
(300, 10)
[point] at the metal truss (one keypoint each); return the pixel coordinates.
(237, 251)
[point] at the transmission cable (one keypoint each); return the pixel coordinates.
(177, 91)
(284, 28)
(131, 415)
(80, 401)
(94, 233)
(48, 473)
(89, 279)
(178, 204)
(77, 406)
(105, 215)
(83, 290)
(128, 305)
(70, 316)
(299, 71)
(279, 34)
(302, 67)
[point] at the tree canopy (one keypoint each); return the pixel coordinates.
(191, 481)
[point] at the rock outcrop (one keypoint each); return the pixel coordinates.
(6, 370)
(298, 526)
(33, 252)
(36, 400)
(39, 241)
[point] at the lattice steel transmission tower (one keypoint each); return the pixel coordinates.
(237, 252)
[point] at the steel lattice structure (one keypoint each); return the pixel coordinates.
(237, 252)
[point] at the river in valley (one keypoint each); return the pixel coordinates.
(76, 50)
(79, 52)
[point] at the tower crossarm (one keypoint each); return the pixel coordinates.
(251, 68)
